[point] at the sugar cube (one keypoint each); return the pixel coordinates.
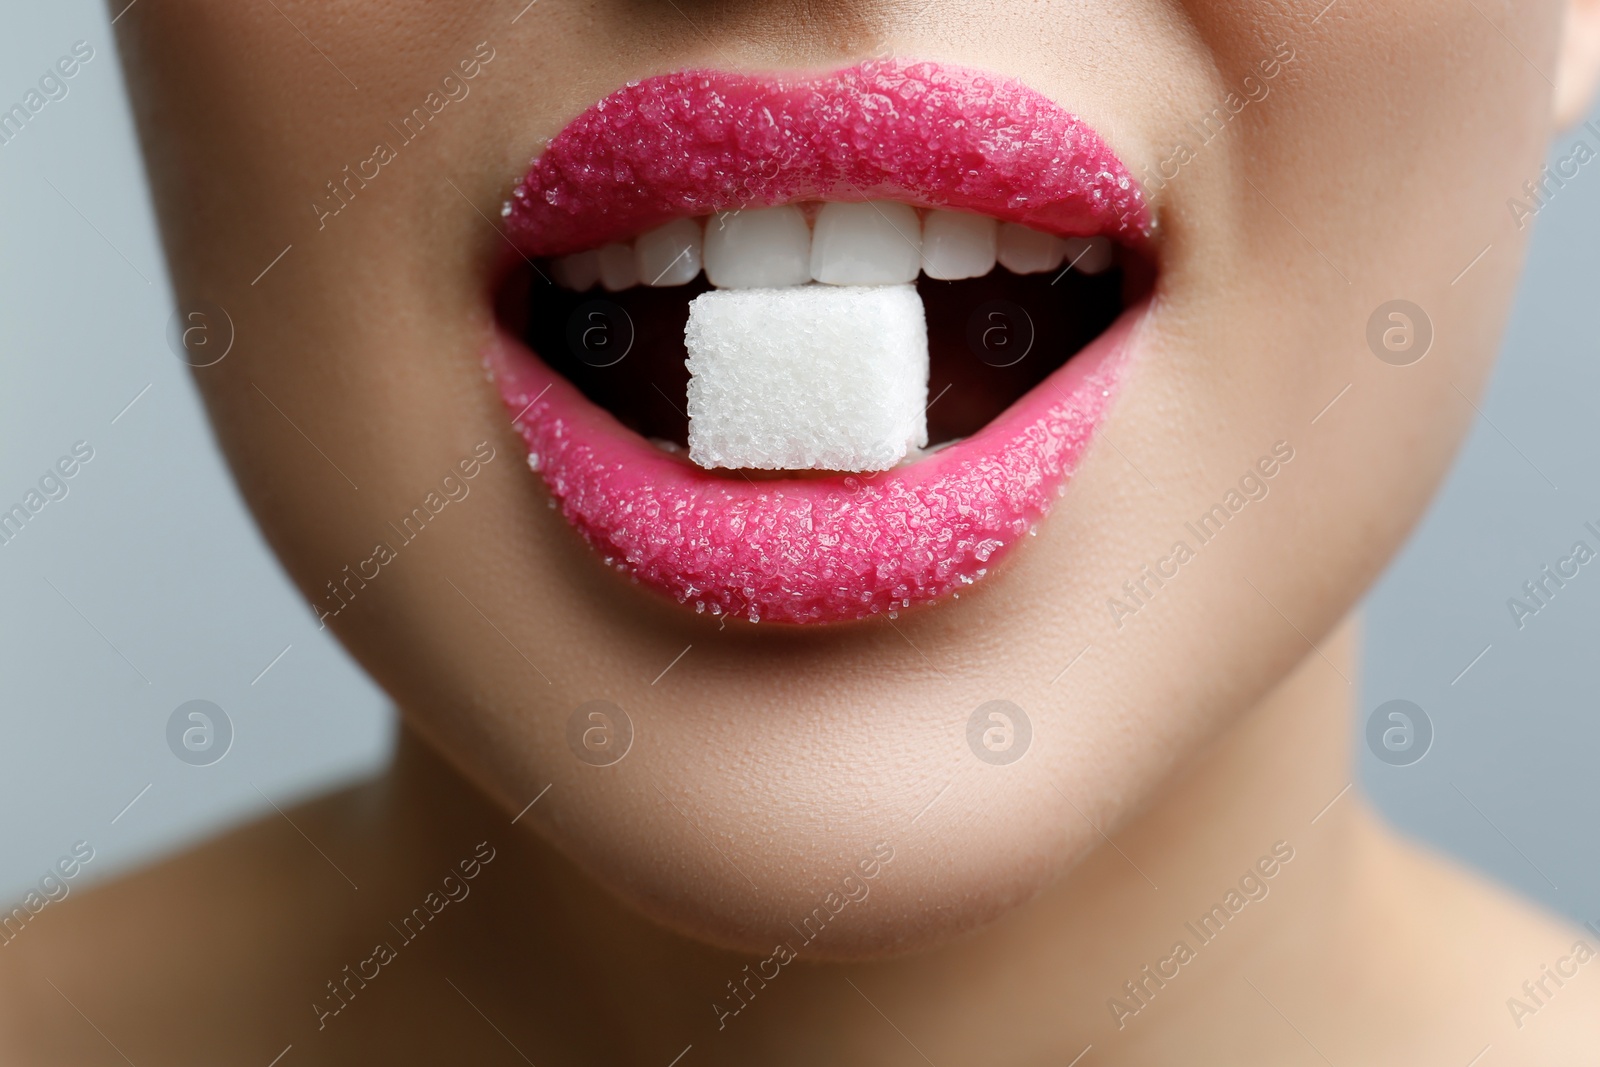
(810, 377)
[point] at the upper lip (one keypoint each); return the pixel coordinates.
(928, 134)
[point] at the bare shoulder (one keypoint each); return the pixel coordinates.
(1520, 983)
(187, 957)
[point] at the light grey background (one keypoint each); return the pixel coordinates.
(148, 586)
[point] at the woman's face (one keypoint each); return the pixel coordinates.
(1296, 169)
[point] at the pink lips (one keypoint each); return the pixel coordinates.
(843, 546)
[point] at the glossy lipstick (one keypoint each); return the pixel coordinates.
(837, 547)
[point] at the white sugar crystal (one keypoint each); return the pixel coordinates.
(811, 377)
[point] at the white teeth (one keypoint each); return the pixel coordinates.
(1091, 255)
(670, 254)
(578, 271)
(957, 245)
(875, 243)
(1025, 251)
(762, 249)
(616, 267)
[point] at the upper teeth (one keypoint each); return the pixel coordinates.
(1025, 251)
(866, 244)
(758, 249)
(874, 243)
(955, 245)
(670, 254)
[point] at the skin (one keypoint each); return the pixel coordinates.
(1174, 753)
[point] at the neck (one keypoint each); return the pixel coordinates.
(1247, 851)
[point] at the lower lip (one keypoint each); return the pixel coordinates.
(812, 550)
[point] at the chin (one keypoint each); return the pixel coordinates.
(857, 894)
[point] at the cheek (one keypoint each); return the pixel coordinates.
(1321, 205)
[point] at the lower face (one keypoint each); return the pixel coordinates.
(796, 586)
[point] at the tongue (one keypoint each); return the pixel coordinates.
(811, 377)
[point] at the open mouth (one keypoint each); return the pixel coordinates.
(810, 349)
